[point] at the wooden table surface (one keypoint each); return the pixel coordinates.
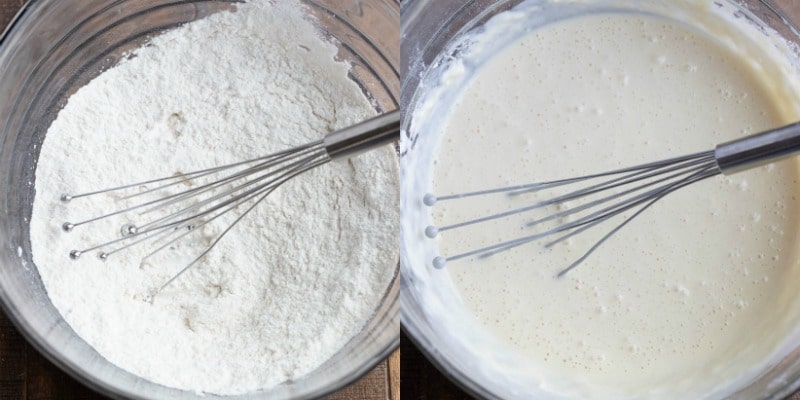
(24, 374)
(421, 380)
(27, 375)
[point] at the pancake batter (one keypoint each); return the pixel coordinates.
(679, 302)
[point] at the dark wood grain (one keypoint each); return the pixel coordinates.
(12, 361)
(7, 10)
(27, 375)
(420, 380)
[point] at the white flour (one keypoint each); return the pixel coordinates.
(294, 281)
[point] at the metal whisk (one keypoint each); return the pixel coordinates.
(613, 193)
(234, 188)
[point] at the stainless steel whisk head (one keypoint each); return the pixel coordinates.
(614, 193)
(161, 220)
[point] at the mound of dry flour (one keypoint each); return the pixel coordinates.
(295, 280)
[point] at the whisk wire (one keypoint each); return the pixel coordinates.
(700, 176)
(614, 196)
(179, 196)
(430, 199)
(208, 249)
(223, 190)
(667, 176)
(266, 161)
(169, 221)
(640, 173)
(263, 195)
(272, 174)
(197, 207)
(193, 175)
(317, 151)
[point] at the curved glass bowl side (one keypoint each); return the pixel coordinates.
(56, 47)
(427, 30)
(363, 31)
(367, 33)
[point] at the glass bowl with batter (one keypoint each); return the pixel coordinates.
(504, 327)
(51, 49)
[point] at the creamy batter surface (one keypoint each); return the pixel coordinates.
(683, 300)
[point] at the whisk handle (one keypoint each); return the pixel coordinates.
(367, 135)
(759, 149)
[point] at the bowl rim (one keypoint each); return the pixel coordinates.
(419, 333)
(16, 319)
(83, 376)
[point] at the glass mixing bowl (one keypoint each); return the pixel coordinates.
(429, 28)
(52, 48)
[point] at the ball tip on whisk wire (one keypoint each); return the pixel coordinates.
(431, 231)
(128, 230)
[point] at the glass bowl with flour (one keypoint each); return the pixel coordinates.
(302, 297)
(695, 300)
